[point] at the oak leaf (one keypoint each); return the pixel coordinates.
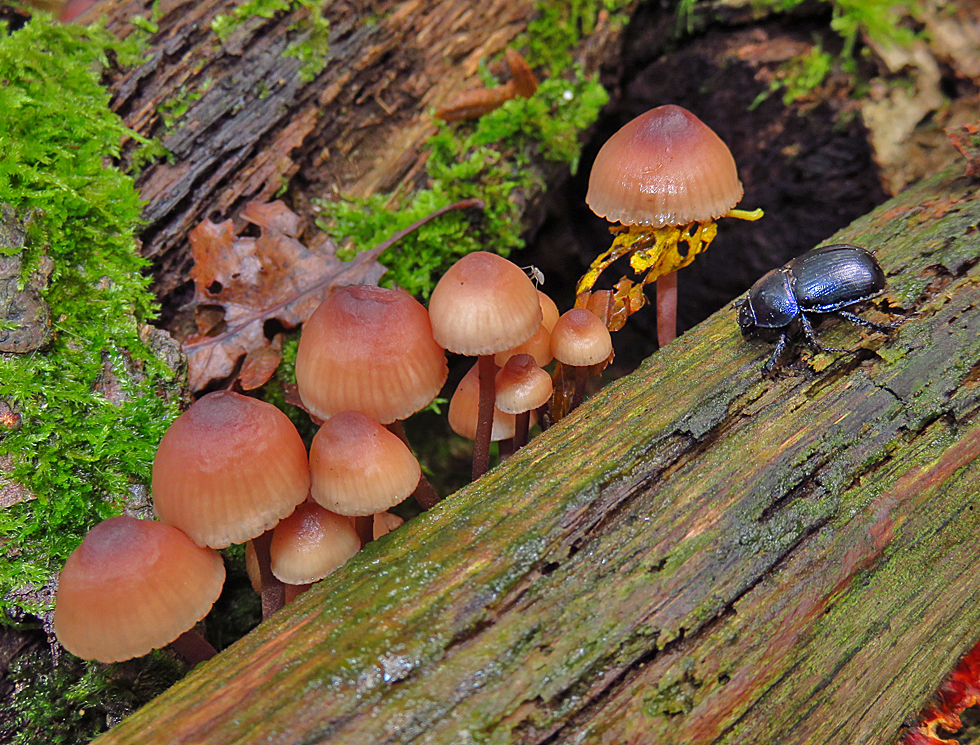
(252, 280)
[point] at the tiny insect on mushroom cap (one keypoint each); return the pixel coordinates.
(666, 167)
(310, 543)
(522, 385)
(463, 410)
(483, 304)
(359, 467)
(229, 468)
(369, 349)
(580, 338)
(133, 586)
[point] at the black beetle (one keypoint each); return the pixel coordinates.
(822, 281)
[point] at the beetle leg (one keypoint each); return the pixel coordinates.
(854, 318)
(776, 354)
(811, 337)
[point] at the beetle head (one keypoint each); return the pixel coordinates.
(746, 316)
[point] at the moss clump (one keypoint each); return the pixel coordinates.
(881, 21)
(490, 159)
(90, 402)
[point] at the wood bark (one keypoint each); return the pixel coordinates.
(357, 128)
(698, 555)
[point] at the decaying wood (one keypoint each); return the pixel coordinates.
(698, 555)
(357, 128)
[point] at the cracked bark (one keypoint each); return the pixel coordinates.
(252, 125)
(697, 555)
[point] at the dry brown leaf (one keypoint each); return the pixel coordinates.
(254, 280)
(260, 365)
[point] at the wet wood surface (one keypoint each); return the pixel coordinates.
(698, 555)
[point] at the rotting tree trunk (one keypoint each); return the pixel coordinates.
(697, 555)
(252, 124)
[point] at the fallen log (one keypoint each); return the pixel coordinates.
(698, 555)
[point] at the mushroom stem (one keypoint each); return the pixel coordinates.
(484, 424)
(521, 427)
(581, 376)
(425, 494)
(666, 309)
(294, 591)
(273, 591)
(193, 647)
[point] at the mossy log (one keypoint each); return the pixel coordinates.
(241, 120)
(697, 555)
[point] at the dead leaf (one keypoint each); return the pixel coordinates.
(255, 280)
(260, 365)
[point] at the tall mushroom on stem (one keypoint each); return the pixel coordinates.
(484, 304)
(666, 177)
(227, 470)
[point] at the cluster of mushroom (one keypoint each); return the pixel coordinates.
(487, 307)
(233, 469)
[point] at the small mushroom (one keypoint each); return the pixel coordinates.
(132, 586)
(311, 543)
(580, 341)
(227, 470)
(359, 467)
(484, 304)
(369, 349)
(522, 386)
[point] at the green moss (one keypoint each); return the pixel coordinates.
(491, 159)
(90, 402)
(174, 109)
(560, 25)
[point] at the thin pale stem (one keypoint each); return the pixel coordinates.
(484, 422)
(273, 591)
(666, 309)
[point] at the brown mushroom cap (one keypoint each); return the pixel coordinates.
(666, 167)
(580, 338)
(369, 349)
(522, 385)
(228, 469)
(384, 523)
(359, 467)
(549, 311)
(133, 586)
(311, 543)
(482, 305)
(464, 409)
(538, 346)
